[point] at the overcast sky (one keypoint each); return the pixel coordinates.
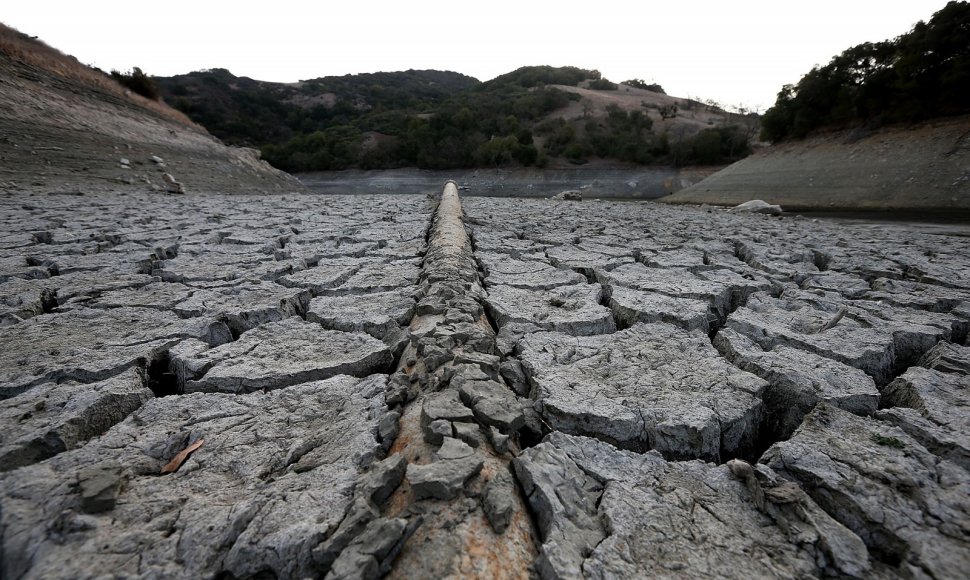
(732, 51)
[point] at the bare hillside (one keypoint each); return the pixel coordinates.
(690, 117)
(67, 128)
(922, 167)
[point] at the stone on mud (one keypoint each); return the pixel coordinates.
(652, 386)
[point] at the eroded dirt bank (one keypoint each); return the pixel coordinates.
(925, 167)
(67, 129)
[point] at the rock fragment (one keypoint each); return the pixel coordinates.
(444, 478)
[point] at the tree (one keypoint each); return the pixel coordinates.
(137, 82)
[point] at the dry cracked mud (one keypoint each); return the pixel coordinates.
(419, 387)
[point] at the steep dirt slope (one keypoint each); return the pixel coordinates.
(923, 167)
(66, 128)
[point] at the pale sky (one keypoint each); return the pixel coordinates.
(732, 51)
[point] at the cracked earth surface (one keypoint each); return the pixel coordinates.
(404, 386)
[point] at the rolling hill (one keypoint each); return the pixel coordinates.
(533, 116)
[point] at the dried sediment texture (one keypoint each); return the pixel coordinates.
(606, 513)
(825, 315)
(91, 345)
(273, 477)
(281, 354)
(54, 417)
(797, 381)
(911, 507)
(933, 407)
(653, 386)
(573, 310)
(550, 377)
(108, 302)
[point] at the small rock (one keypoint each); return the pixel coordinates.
(443, 479)
(569, 195)
(758, 206)
(99, 485)
(470, 433)
(452, 448)
(498, 501)
(171, 185)
(499, 441)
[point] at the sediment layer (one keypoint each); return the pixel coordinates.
(355, 386)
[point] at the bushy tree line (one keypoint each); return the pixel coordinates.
(426, 119)
(919, 75)
(642, 84)
(137, 81)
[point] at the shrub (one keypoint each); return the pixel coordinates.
(642, 84)
(137, 82)
(602, 85)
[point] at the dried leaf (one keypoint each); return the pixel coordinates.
(179, 459)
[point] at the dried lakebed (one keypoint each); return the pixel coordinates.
(367, 386)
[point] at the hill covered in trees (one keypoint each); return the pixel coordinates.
(919, 75)
(532, 116)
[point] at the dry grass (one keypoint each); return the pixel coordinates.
(24, 51)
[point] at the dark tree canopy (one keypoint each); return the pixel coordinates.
(922, 74)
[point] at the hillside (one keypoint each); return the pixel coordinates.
(67, 128)
(534, 116)
(883, 125)
(243, 111)
(921, 167)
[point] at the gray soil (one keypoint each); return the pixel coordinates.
(403, 386)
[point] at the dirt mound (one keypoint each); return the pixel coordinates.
(68, 128)
(922, 167)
